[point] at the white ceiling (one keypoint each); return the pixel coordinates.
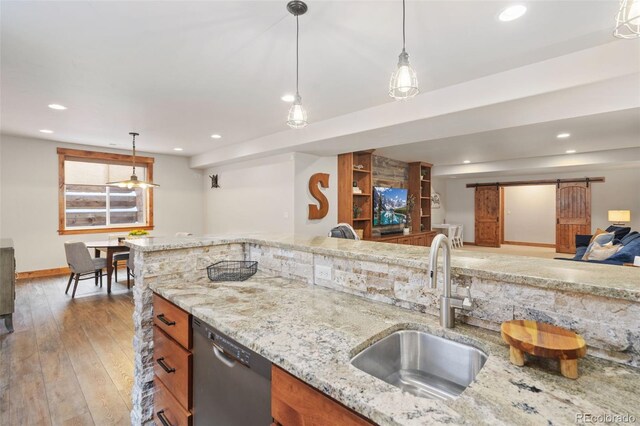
(179, 71)
(614, 130)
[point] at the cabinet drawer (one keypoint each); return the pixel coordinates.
(420, 240)
(172, 320)
(172, 365)
(294, 403)
(404, 240)
(166, 410)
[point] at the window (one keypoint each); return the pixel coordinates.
(88, 205)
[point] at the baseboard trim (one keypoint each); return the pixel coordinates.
(518, 243)
(43, 273)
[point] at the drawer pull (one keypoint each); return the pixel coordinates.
(166, 321)
(163, 418)
(164, 366)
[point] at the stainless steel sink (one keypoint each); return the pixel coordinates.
(422, 364)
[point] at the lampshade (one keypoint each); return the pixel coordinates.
(297, 117)
(619, 216)
(404, 82)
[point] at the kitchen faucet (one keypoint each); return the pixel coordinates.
(448, 303)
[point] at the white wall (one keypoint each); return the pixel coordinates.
(439, 185)
(620, 191)
(254, 196)
(29, 199)
(269, 195)
(530, 214)
(305, 166)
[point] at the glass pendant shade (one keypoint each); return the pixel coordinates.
(404, 82)
(628, 19)
(297, 117)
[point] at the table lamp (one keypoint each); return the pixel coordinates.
(619, 217)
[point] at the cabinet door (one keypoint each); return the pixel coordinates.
(420, 240)
(294, 403)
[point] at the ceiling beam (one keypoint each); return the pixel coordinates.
(591, 81)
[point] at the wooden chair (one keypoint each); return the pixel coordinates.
(130, 269)
(82, 264)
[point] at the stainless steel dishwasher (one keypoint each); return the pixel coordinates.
(231, 383)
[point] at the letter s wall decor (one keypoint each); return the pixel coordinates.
(316, 212)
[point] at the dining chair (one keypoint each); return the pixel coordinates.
(457, 236)
(119, 257)
(82, 264)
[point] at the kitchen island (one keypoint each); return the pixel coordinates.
(286, 315)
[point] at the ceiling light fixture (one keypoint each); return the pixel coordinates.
(47, 131)
(177, 149)
(570, 151)
(57, 106)
(628, 20)
(404, 82)
(563, 135)
(466, 161)
(288, 98)
(512, 13)
(133, 182)
(297, 118)
(216, 136)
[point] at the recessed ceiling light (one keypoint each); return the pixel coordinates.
(112, 144)
(177, 149)
(466, 161)
(563, 135)
(288, 98)
(215, 136)
(570, 151)
(47, 131)
(57, 106)
(512, 13)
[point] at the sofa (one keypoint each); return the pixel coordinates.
(629, 240)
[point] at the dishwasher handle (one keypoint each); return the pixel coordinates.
(222, 357)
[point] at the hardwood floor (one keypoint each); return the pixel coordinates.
(69, 361)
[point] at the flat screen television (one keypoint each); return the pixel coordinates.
(389, 206)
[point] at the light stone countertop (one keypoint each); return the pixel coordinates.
(313, 332)
(618, 282)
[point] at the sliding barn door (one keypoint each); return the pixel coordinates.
(487, 212)
(573, 214)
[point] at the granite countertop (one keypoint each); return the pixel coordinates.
(313, 332)
(604, 280)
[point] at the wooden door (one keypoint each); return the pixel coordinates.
(487, 216)
(573, 214)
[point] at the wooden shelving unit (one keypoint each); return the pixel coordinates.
(420, 187)
(347, 174)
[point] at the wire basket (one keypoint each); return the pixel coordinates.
(232, 270)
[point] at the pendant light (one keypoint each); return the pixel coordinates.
(404, 82)
(133, 182)
(628, 19)
(297, 118)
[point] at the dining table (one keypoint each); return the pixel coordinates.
(448, 228)
(109, 247)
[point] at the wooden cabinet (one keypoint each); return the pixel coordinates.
(294, 403)
(172, 364)
(172, 320)
(355, 167)
(419, 239)
(7, 282)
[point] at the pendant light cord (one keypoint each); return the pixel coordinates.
(297, 52)
(134, 154)
(403, 25)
